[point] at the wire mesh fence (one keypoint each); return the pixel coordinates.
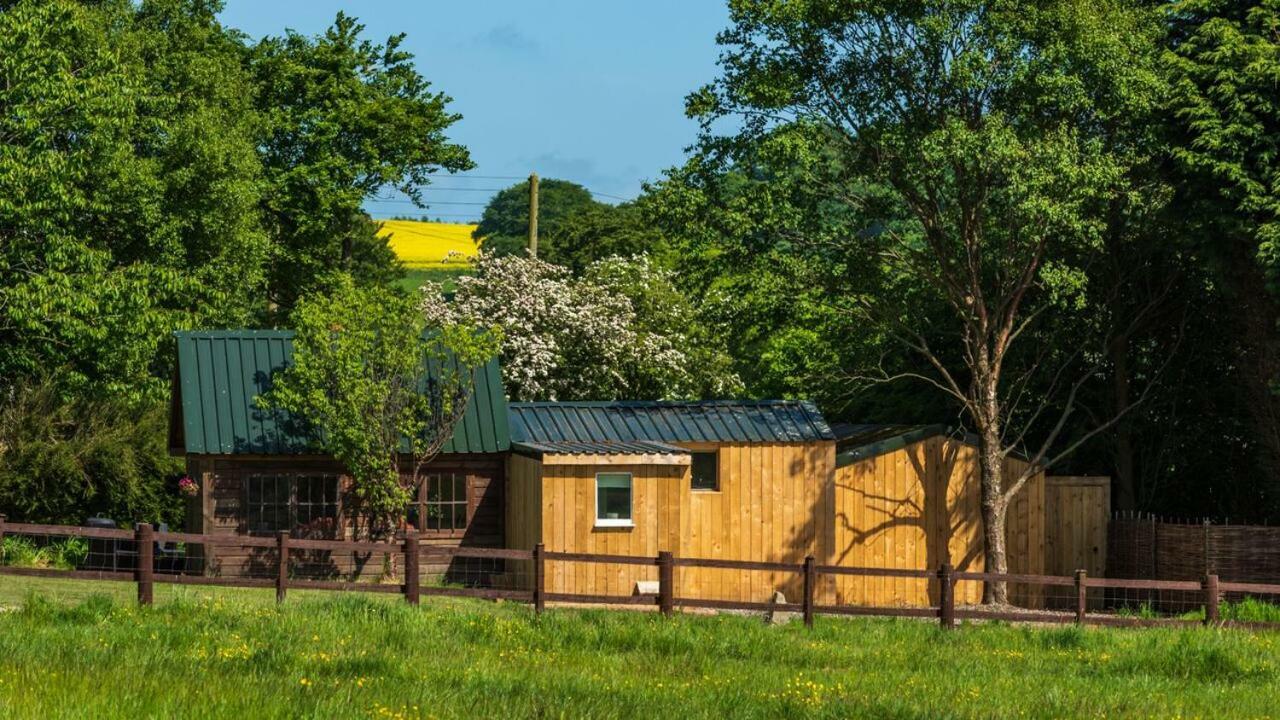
(415, 566)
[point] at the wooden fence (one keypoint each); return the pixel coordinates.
(666, 600)
(1144, 546)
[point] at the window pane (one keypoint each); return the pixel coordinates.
(459, 516)
(613, 496)
(703, 471)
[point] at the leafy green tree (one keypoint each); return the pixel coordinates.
(606, 231)
(128, 188)
(504, 225)
(763, 250)
(620, 331)
(359, 379)
(345, 118)
(63, 461)
(977, 119)
(1223, 59)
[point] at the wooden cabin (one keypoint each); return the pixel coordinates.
(731, 480)
(259, 473)
(765, 481)
(909, 497)
(719, 479)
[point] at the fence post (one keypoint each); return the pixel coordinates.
(1, 539)
(810, 580)
(946, 597)
(282, 567)
(539, 578)
(1210, 584)
(666, 582)
(1082, 595)
(144, 537)
(412, 586)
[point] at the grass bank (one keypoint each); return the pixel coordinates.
(234, 654)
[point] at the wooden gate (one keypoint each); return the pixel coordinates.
(1077, 510)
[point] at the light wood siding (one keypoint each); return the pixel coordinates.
(773, 505)
(910, 508)
(1077, 510)
(565, 515)
(915, 507)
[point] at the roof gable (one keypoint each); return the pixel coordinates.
(763, 421)
(855, 442)
(221, 373)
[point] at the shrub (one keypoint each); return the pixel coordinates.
(67, 554)
(62, 460)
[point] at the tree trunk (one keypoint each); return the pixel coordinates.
(994, 507)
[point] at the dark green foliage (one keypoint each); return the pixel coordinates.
(606, 231)
(158, 172)
(504, 226)
(129, 182)
(62, 460)
(344, 118)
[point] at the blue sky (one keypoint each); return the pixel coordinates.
(583, 90)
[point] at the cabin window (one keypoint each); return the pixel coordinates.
(291, 502)
(442, 504)
(613, 500)
(704, 471)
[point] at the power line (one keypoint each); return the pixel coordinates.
(433, 202)
(485, 177)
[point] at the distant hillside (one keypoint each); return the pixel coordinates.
(428, 245)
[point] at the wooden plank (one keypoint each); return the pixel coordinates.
(13, 528)
(588, 598)
(614, 460)
(69, 574)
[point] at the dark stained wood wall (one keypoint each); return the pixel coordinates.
(221, 509)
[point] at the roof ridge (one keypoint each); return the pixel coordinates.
(658, 403)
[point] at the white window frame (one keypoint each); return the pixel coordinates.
(631, 503)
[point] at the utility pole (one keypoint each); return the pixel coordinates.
(533, 215)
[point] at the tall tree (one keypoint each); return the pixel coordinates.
(979, 119)
(504, 225)
(128, 188)
(1224, 63)
(621, 331)
(360, 380)
(345, 118)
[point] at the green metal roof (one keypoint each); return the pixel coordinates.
(763, 421)
(220, 373)
(855, 442)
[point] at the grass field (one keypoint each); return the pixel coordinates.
(416, 278)
(71, 653)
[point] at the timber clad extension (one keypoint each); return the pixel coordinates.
(772, 461)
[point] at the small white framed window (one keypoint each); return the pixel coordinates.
(613, 500)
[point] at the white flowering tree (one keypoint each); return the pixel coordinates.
(621, 330)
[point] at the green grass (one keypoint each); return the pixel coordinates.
(233, 653)
(415, 278)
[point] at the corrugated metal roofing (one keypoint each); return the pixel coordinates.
(857, 441)
(565, 447)
(220, 373)
(763, 421)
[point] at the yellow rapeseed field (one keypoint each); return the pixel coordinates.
(430, 244)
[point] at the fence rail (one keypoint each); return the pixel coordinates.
(667, 599)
